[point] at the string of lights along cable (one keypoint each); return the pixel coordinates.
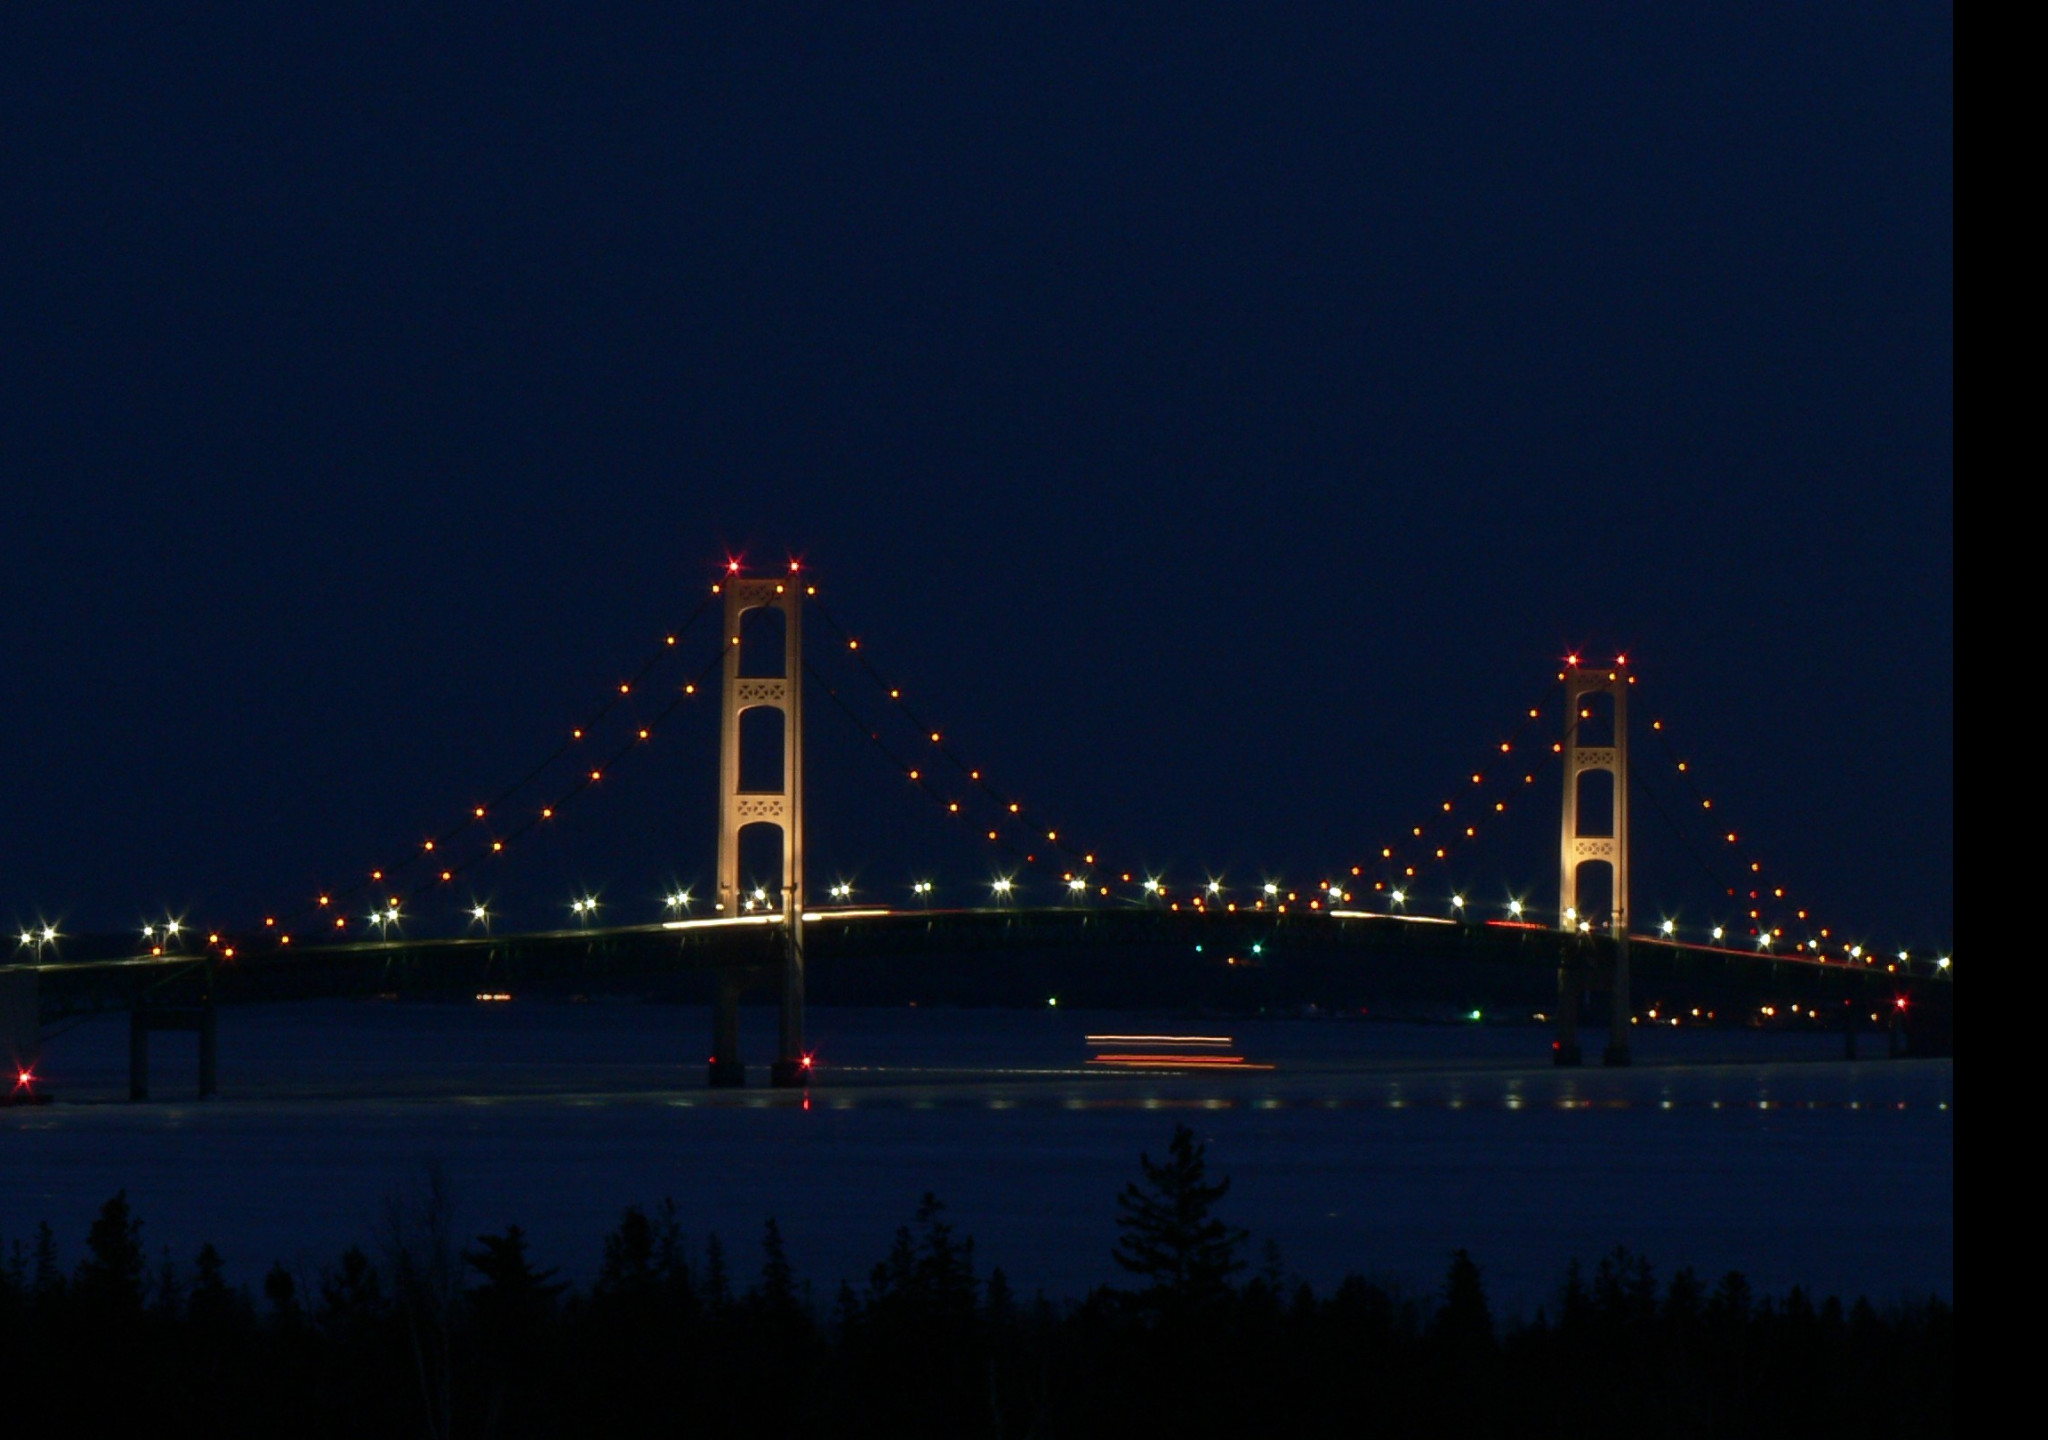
(1409, 876)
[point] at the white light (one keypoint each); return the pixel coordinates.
(478, 912)
(1902, 956)
(172, 927)
(1669, 927)
(1271, 888)
(1215, 887)
(680, 900)
(1457, 902)
(392, 914)
(1570, 913)
(1077, 886)
(1763, 941)
(1001, 887)
(49, 933)
(1515, 907)
(1942, 963)
(761, 893)
(1856, 951)
(28, 937)
(1585, 927)
(149, 932)
(1151, 886)
(1399, 897)
(1719, 932)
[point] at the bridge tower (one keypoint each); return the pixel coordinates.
(783, 808)
(1577, 850)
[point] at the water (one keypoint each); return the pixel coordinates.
(1368, 1147)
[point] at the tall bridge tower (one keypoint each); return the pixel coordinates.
(1577, 849)
(782, 808)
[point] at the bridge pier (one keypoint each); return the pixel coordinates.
(1618, 1013)
(199, 1018)
(1564, 1048)
(728, 1071)
(21, 1034)
(792, 1068)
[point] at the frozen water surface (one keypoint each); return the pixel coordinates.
(1368, 1147)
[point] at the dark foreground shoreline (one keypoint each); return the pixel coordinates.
(430, 1332)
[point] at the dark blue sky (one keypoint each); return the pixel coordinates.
(1221, 417)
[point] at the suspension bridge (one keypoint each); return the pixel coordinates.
(1355, 935)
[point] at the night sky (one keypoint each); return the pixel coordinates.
(1219, 419)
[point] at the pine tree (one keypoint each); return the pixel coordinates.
(110, 1278)
(282, 1291)
(513, 1295)
(351, 1294)
(717, 1280)
(629, 1259)
(46, 1283)
(778, 1278)
(1465, 1322)
(1169, 1236)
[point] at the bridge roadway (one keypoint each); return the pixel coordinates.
(1114, 957)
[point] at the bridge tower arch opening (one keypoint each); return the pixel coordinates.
(1595, 770)
(746, 690)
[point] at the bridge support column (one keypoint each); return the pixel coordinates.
(1564, 1047)
(1618, 1013)
(792, 1066)
(199, 1019)
(727, 1070)
(21, 1034)
(781, 808)
(1577, 849)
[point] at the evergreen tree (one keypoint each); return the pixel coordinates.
(282, 1291)
(672, 1259)
(110, 1277)
(628, 1267)
(778, 1279)
(351, 1294)
(717, 1280)
(1169, 1237)
(514, 1309)
(1465, 1322)
(209, 1302)
(46, 1277)
(167, 1295)
(514, 1297)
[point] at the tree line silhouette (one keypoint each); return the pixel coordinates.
(422, 1334)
